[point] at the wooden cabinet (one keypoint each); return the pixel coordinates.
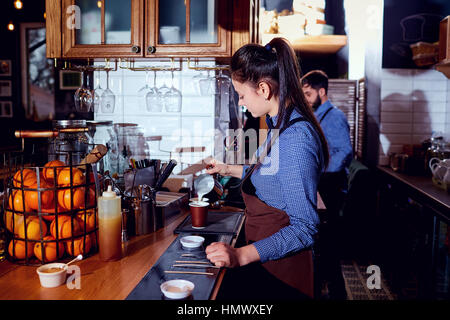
(188, 28)
(444, 47)
(149, 28)
(105, 28)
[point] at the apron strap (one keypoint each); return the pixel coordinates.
(325, 114)
(253, 167)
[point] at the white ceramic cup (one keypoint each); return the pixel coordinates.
(169, 34)
(53, 279)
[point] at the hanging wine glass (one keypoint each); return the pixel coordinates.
(196, 81)
(83, 97)
(163, 90)
(97, 93)
(223, 84)
(142, 92)
(206, 85)
(153, 98)
(108, 99)
(173, 99)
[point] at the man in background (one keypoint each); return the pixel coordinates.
(333, 183)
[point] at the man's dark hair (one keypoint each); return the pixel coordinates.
(317, 79)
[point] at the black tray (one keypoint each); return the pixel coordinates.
(149, 287)
(218, 223)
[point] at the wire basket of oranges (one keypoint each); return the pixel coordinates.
(50, 212)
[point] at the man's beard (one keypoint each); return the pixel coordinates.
(316, 103)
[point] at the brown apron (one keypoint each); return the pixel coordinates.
(261, 222)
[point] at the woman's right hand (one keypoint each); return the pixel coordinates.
(213, 166)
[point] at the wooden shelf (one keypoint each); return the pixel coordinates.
(444, 67)
(323, 44)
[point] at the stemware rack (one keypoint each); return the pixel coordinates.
(129, 64)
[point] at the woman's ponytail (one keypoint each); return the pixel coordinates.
(277, 64)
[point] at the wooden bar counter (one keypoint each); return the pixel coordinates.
(99, 280)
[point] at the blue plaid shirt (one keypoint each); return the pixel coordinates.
(337, 132)
(287, 180)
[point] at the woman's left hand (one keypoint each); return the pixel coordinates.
(222, 255)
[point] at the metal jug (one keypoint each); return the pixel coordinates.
(143, 212)
(209, 186)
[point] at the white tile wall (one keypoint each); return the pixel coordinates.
(414, 103)
(194, 126)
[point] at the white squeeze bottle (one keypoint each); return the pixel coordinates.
(109, 226)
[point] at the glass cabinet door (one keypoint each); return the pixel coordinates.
(191, 27)
(90, 14)
(172, 22)
(203, 24)
(117, 22)
(106, 28)
(202, 16)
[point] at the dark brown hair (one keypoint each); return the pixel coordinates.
(276, 63)
(317, 79)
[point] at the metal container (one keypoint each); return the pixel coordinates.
(142, 219)
(209, 186)
(72, 138)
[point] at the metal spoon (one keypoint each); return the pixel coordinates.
(79, 257)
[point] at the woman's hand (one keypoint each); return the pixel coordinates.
(214, 166)
(222, 255)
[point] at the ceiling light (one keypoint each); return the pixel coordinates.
(18, 4)
(11, 26)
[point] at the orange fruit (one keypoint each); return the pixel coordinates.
(65, 198)
(51, 211)
(78, 246)
(65, 227)
(8, 220)
(50, 168)
(64, 177)
(92, 180)
(49, 250)
(29, 178)
(32, 197)
(19, 249)
(90, 220)
(15, 202)
(33, 229)
(90, 200)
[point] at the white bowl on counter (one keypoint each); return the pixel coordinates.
(177, 289)
(54, 278)
(192, 242)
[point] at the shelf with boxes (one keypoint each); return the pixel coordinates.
(322, 44)
(304, 26)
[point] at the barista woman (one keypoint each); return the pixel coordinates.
(280, 188)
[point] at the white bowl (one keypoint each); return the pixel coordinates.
(191, 242)
(53, 279)
(177, 289)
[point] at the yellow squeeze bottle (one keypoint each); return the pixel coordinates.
(109, 226)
